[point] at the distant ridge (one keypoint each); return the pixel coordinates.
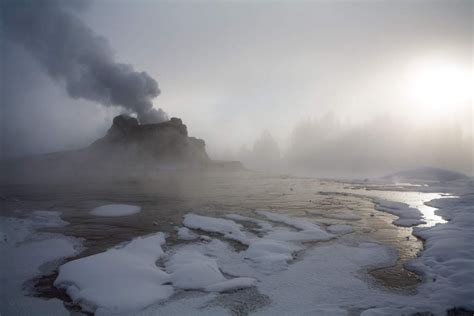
(426, 174)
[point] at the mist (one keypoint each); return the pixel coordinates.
(254, 80)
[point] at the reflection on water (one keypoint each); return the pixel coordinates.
(413, 199)
(166, 199)
(429, 215)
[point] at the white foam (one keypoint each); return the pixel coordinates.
(112, 210)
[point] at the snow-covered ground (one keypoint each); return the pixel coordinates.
(24, 255)
(285, 264)
(407, 216)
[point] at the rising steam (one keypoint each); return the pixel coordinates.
(71, 53)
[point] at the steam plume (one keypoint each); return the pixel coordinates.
(71, 53)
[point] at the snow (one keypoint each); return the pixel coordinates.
(270, 255)
(408, 216)
(113, 210)
(228, 228)
(232, 285)
(122, 279)
(192, 270)
(295, 276)
(24, 252)
(448, 259)
(264, 225)
(291, 221)
(101, 283)
(308, 231)
(328, 275)
(186, 234)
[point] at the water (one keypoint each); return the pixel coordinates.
(166, 199)
(413, 199)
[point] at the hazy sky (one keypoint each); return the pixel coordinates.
(237, 68)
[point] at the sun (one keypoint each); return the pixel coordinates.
(439, 86)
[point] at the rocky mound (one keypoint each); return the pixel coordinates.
(128, 150)
(161, 142)
(426, 174)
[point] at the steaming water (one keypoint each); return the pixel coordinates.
(413, 199)
(167, 198)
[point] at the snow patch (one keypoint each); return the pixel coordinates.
(448, 258)
(308, 231)
(228, 228)
(192, 270)
(264, 225)
(186, 234)
(24, 251)
(122, 279)
(232, 285)
(408, 216)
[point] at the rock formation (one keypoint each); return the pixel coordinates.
(161, 142)
(129, 150)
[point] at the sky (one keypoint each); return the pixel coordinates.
(246, 68)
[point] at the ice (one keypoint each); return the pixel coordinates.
(408, 216)
(23, 252)
(122, 279)
(112, 210)
(186, 234)
(228, 228)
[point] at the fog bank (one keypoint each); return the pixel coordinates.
(327, 146)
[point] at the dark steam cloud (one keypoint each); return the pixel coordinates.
(71, 53)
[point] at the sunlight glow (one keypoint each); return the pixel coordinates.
(440, 86)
